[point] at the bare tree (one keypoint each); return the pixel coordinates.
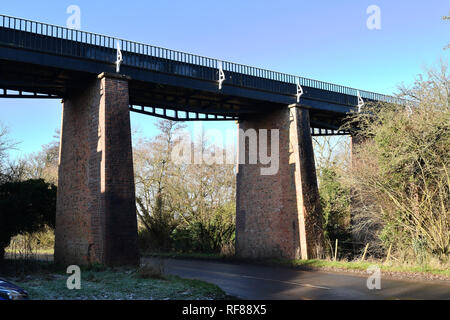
(174, 195)
(5, 145)
(154, 179)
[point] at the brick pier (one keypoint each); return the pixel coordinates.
(279, 216)
(96, 210)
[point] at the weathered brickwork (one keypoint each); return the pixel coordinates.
(96, 211)
(308, 201)
(279, 215)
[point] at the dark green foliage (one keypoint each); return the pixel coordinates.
(335, 202)
(159, 226)
(209, 235)
(25, 207)
(205, 238)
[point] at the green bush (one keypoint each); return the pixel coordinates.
(335, 202)
(25, 207)
(212, 234)
(208, 235)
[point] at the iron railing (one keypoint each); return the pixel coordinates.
(146, 56)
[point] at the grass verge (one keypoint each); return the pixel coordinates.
(44, 281)
(363, 265)
(392, 269)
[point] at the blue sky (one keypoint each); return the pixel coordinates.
(325, 40)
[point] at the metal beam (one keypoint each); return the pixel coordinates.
(320, 132)
(18, 94)
(152, 111)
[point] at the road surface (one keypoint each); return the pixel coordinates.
(247, 281)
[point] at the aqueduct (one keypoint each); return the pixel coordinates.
(100, 79)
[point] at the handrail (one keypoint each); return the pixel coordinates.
(109, 42)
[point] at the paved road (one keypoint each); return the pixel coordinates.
(247, 281)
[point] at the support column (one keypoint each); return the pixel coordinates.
(96, 209)
(279, 215)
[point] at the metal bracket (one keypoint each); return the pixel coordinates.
(119, 57)
(299, 90)
(221, 75)
(360, 101)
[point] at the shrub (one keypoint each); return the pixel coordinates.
(25, 207)
(152, 270)
(335, 202)
(401, 172)
(208, 234)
